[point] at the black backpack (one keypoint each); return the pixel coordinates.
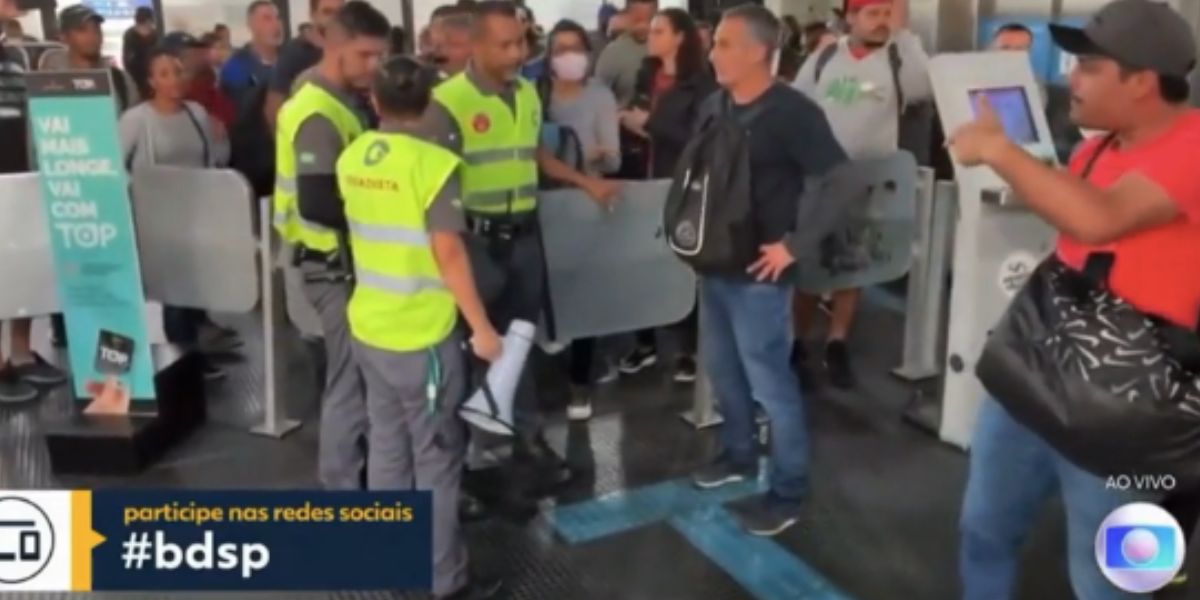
(708, 220)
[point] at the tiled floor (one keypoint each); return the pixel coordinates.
(880, 524)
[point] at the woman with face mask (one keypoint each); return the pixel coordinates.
(575, 102)
(581, 117)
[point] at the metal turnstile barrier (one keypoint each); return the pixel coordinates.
(924, 316)
(275, 327)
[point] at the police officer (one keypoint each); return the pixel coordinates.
(492, 117)
(412, 276)
(314, 126)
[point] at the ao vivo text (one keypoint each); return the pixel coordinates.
(1141, 483)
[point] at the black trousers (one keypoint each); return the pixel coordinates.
(685, 331)
(510, 275)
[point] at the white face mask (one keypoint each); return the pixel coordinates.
(572, 66)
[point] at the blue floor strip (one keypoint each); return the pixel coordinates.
(765, 569)
(631, 509)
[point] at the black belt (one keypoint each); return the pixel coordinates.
(502, 226)
(302, 255)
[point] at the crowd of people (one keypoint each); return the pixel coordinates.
(406, 185)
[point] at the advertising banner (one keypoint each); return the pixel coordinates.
(86, 198)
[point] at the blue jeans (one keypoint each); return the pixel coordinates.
(747, 343)
(1013, 474)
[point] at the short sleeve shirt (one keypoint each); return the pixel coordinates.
(1156, 270)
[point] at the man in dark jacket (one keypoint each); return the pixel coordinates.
(138, 42)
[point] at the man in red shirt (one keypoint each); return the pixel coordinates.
(1140, 202)
(203, 88)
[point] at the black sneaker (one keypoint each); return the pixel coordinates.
(550, 469)
(476, 590)
(40, 372)
(720, 473)
(12, 388)
(685, 370)
(837, 364)
(637, 360)
(766, 518)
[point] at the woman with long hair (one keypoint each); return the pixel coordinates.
(674, 81)
(582, 114)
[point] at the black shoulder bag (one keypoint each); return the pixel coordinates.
(1115, 390)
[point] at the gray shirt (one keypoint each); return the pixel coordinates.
(619, 65)
(183, 139)
(859, 94)
(592, 115)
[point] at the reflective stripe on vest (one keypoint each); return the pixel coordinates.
(309, 100)
(499, 145)
(388, 182)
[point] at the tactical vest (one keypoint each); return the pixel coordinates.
(309, 100)
(499, 145)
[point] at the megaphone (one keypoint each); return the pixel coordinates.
(491, 407)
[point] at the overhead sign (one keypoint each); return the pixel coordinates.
(116, 10)
(86, 201)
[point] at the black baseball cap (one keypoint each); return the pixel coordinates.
(74, 17)
(1140, 34)
(178, 41)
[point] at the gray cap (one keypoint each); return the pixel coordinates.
(1140, 34)
(74, 17)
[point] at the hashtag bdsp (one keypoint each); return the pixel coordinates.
(308, 513)
(144, 550)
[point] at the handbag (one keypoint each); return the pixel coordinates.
(1113, 389)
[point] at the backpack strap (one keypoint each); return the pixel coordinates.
(121, 91)
(894, 63)
(200, 131)
(827, 53)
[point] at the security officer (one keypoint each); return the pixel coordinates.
(492, 117)
(412, 276)
(313, 128)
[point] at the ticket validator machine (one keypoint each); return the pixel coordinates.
(998, 242)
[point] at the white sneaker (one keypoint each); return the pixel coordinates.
(580, 408)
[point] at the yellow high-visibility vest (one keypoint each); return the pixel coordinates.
(388, 181)
(309, 100)
(500, 173)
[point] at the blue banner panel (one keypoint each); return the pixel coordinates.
(261, 540)
(86, 197)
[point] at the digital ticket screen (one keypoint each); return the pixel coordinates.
(1012, 106)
